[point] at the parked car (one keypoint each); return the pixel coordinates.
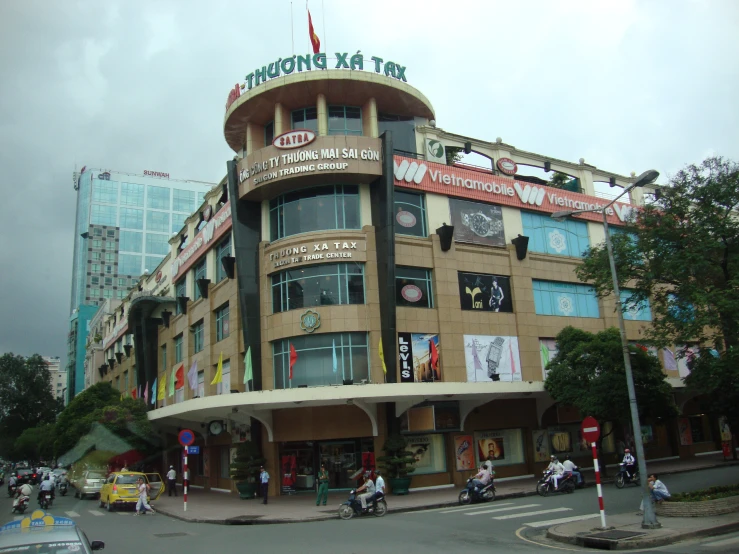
(89, 484)
(120, 489)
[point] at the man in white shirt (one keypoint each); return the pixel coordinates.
(558, 470)
(172, 481)
(379, 485)
(46, 485)
(658, 489)
(570, 467)
(24, 490)
(368, 486)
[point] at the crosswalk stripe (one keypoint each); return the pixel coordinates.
(536, 513)
(93, 512)
(18, 518)
(466, 508)
(722, 542)
(521, 507)
(72, 514)
(560, 520)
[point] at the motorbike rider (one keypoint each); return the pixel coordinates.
(558, 471)
(12, 482)
(482, 479)
(24, 490)
(46, 486)
(368, 486)
(630, 463)
(570, 467)
(379, 485)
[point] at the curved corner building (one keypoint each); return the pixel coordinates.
(350, 284)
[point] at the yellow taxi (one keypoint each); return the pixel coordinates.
(120, 489)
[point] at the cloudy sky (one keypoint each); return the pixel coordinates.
(128, 85)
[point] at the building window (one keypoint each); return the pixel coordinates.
(105, 191)
(97, 232)
(269, 133)
(131, 241)
(413, 287)
(131, 218)
(107, 293)
(129, 264)
(564, 299)
(224, 387)
(179, 395)
(201, 384)
(108, 269)
(317, 209)
(111, 233)
(403, 129)
(316, 354)
(565, 237)
(225, 462)
(305, 118)
(152, 262)
(110, 257)
(157, 221)
(108, 281)
(344, 120)
(103, 215)
(95, 280)
(183, 201)
(199, 274)
(157, 198)
(635, 311)
(410, 214)
(178, 345)
(132, 194)
(157, 244)
(125, 382)
(95, 268)
(222, 322)
(120, 294)
(97, 256)
(198, 336)
(180, 291)
(164, 357)
(97, 243)
(318, 285)
(121, 282)
(223, 250)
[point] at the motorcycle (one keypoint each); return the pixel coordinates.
(20, 504)
(63, 488)
(353, 506)
(45, 500)
(566, 483)
(622, 479)
(12, 489)
(471, 494)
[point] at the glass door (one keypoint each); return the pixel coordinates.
(342, 461)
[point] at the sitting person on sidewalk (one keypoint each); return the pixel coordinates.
(657, 489)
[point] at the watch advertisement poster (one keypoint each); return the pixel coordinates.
(419, 355)
(486, 293)
(541, 445)
(477, 223)
(491, 358)
(464, 453)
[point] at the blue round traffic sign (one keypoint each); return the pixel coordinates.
(186, 437)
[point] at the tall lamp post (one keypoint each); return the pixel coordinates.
(650, 518)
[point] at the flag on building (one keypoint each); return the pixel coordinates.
(333, 350)
(161, 391)
(133, 393)
(146, 392)
(293, 359)
(179, 377)
(140, 391)
(382, 358)
(314, 40)
(154, 392)
(172, 378)
(434, 355)
(219, 371)
(248, 369)
(192, 376)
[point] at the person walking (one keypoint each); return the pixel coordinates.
(142, 506)
(264, 483)
(322, 485)
(172, 481)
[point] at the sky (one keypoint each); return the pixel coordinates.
(133, 85)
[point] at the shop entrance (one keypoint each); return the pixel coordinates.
(342, 461)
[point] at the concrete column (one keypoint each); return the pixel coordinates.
(322, 109)
(282, 119)
(586, 181)
(249, 139)
(369, 119)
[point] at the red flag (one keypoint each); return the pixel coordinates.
(434, 355)
(314, 40)
(293, 359)
(179, 377)
(133, 393)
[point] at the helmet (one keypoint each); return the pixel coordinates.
(627, 451)
(46, 478)
(171, 467)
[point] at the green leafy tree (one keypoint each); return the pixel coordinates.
(36, 443)
(559, 180)
(681, 253)
(26, 399)
(398, 460)
(77, 418)
(588, 373)
(453, 154)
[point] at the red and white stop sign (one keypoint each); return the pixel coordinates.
(590, 429)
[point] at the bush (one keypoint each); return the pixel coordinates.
(397, 461)
(711, 493)
(247, 463)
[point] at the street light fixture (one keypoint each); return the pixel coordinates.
(649, 176)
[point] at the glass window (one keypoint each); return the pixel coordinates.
(151, 262)
(403, 129)
(121, 282)
(180, 291)
(224, 387)
(564, 299)
(105, 191)
(223, 250)
(179, 395)
(95, 280)
(131, 218)
(178, 222)
(178, 344)
(107, 293)
(225, 462)
(305, 118)
(635, 311)
(164, 356)
(111, 233)
(97, 256)
(344, 120)
(97, 243)
(157, 221)
(318, 285)
(120, 294)
(201, 389)
(157, 244)
(183, 201)
(502, 447)
(429, 453)
(198, 336)
(199, 274)
(108, 269)
(108, 281)
(318, 209)
(325, 359)
(565, 237)
(413, 287)
(132, 194)
(103, 215)
(157, 198)
(110, 257)
(98, 232)
(95, 268)
(222, 320)
(410, 214)
(269, 133)
(129, 264)
(131, 241)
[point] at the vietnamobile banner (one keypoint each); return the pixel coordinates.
(485, 187)
(213, 230)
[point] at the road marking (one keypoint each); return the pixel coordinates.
(561, 520)
(18, 518)
(518, 534)
(538, 512)
(521, 507)
(467, 508)
(723, 542)
(72, 514)
(93, 512)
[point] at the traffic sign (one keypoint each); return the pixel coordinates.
(590, 429)
(193, 450)
(186, 437)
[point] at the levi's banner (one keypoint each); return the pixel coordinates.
(486, 187)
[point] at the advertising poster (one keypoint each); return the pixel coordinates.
(289, 473)
(491, 358)
(548, 351)
(501, 447)
(465, 455)
(368, 461)
(492, 449)
(541, 445)
(428, 451)
(477, 223)
(723, 426)
(419, 357)
(685, 432)
(485, 293)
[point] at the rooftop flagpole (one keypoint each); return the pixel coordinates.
(292, 27)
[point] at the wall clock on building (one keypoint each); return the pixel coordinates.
(215, 428)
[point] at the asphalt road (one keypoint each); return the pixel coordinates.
(516, 525)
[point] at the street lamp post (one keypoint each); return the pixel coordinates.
(650, 518)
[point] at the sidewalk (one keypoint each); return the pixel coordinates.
(228, 509)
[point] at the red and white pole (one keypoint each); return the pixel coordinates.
(597, 484)
(185, 479)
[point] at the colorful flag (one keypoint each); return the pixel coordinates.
(382, 358)
(146, 392)
(333, 348)
(154, 392)
(180, 377)
(139, 391)
(248, 370)
(133, 393)
(434, 354)
(544, 349)
(219, 371)
(161, 391)
(192, 376)
(293, 359)
(475, 358)
(314, 40)
(170, 392)
(669, 359)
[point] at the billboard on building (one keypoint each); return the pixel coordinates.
(486, 293)
(492, 358)
(477, 222)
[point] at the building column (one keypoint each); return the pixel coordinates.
(322, 109)
(370, 127)
(282, 119)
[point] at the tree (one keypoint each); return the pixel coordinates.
(26, 399)
(681, 254)
(588, 373)
(559, 180)
(35, 443)
(453, 154)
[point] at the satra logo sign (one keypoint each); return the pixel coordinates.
(294, 139)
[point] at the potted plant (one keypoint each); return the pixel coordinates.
(396, 463)
(245, 469)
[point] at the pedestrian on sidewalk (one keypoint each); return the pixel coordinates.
(264, 483)
(322, 485)
(172, 481)
(142, 506)
(657, 489)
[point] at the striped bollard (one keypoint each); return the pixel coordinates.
(597, 484)
(185, 476)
